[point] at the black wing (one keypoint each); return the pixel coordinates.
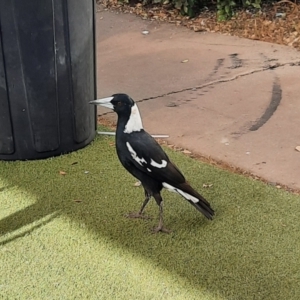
(147, 155)
(142, 151)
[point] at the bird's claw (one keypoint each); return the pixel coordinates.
(137, 216)
(161, 229)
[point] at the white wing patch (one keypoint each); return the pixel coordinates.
(140, 161)
(169, 187)
(135, 122)
(163, 164)
(149, 170)
(180, 192)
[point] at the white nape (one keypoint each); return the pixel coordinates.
(140, 161)
(163, 164)
(180, 192)
(135, 122)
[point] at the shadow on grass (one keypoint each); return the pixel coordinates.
(251, 247)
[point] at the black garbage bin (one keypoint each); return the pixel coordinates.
(47, 77)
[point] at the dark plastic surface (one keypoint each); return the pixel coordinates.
(47, 77)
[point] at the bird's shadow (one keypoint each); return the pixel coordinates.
(234, 252)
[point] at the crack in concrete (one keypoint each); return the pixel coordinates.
(266, 68)
(262, 69)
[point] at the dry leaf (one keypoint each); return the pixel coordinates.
(207, 185)
(298, 148)
(138, 183)
(62, 173)
(185, 151)
(263, 25)
(185, 61)
(77, 200)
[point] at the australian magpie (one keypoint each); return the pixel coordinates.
(143, 157)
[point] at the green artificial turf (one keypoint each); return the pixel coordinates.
(66, 237)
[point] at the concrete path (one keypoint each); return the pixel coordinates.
(232, 99)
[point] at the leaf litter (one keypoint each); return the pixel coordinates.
(275, 22)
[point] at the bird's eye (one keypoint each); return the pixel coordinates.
(119, 103)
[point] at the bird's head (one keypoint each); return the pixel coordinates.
(120, 103)
(127, 110)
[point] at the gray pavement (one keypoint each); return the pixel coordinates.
(235, 100)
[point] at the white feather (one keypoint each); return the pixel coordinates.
(163, 164)
(135, 122)
(140, 161)
(182, 193)
(169, 187)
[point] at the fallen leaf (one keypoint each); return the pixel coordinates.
(86, 172)
(171, 104)
(185, 61)
(207, 185)
(74, 163)
(298, 148)
(185, 151)
(145, 32)
(62, 173)
(77, 200)
(138, 183)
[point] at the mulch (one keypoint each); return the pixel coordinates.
(277, 22)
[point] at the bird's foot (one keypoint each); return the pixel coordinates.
(137, 216)
(161, 228)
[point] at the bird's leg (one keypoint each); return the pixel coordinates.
(160, 227)
(140, 213)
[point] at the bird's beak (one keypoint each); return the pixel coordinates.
(106, 102)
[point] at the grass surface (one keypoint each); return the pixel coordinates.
(66, 237)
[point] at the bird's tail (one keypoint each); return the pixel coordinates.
(199, 202)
